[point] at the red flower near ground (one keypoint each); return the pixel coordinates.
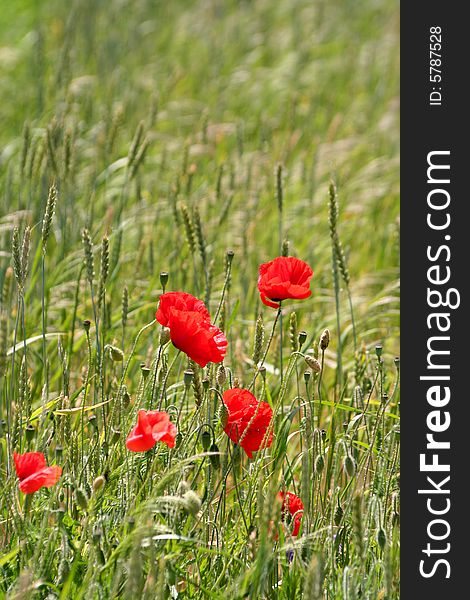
(248, 420)
(33, 472)
(292, 508)
(282, 278)
(179, 301)
(152, 427)
(190, 328)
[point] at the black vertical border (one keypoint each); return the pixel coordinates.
(426, 128)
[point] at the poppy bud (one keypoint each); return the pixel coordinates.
(302, 338)
(126, 399)
(312, 363)
(325, 339)
(98, 483)
(30, 432)
(144, 370)
(323, 433)
(381, 538)
(117, 355)
(205, 440)
(192, 503)
(230, 255)
(188, 377)
(307, 376)
(319, 464)
(350, 466)
(221, 375)
(262, 371)
(86, 325)
(215, 458)
(164, 336)
(115, 435)
(163, 280)
(92, 420)
(396, 360)
(81, 499)
(223, 415)
(378, 350)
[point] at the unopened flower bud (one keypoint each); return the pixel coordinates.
(378, 350)
(126, 399)
(30, 433)
(164, 336)
(188, 377)
(117, 355)
(319, 464)
(302, 338)
(307, 376)
(86, 325)
(144, 370)
(163, 280)
(206, 440)
(312, 363)
(215, 458)
(115, 436)
(192, 503)
(325, 339)
(230, 255)
(223, 415)
(93, 422)
(221, 375)
(98, 483)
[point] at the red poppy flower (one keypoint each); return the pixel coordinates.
(181, 301)
(282, 278)
(33, 472)
(190, 328)
(152, 427)
(248, 420)
(292, 508)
